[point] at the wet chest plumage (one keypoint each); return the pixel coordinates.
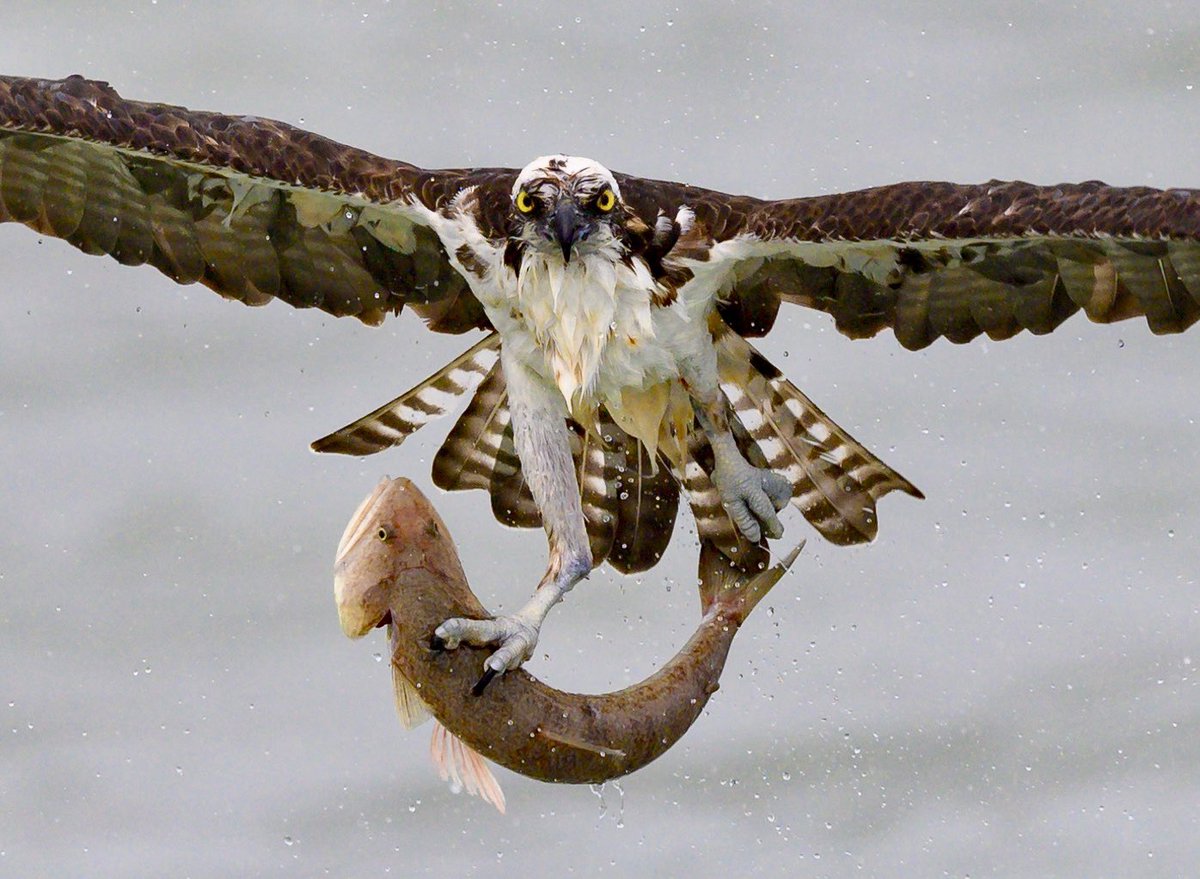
(595, 325)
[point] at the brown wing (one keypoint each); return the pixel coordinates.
(942, 259)
(254, 209)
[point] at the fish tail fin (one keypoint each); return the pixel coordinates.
(457, 763)
(730, 590)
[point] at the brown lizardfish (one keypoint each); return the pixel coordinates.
(397, 566)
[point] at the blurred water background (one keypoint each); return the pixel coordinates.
(1003, 684)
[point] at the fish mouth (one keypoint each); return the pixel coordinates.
(358, 610)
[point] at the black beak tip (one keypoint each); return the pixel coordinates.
(568, 226)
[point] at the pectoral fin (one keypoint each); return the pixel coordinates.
(463, 768)
(412, 710)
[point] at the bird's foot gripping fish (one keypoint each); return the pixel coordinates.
(397, 566)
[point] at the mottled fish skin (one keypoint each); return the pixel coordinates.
(398, 566)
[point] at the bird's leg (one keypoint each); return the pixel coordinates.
(543, 446)
(752, 495)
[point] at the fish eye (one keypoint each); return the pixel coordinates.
(606, 201)
(525, 204)
(385, 534)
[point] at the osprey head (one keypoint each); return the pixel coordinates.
(566, 203)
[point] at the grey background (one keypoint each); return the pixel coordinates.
(1003, 684)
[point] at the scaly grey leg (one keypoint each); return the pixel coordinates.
(542, 441)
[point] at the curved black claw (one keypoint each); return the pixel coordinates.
(437, 643)
(481, 684)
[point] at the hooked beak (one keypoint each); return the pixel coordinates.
(569, 226)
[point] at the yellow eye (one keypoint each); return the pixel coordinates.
(524, 203)
(606, 201)
(385, 534)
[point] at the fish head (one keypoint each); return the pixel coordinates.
(394, 536)
(365, 567)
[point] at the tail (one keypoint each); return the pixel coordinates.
(835, 480)
(714, 525)
(391, 424)
(629, 506)
(729, 590)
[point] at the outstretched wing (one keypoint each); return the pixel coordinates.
(252, 208)
(942, 259)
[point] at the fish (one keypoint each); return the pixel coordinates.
(397, 566)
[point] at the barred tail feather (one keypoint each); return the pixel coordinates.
(596, 467)
(629, 509)
(512, 500)
(713, 524)
(835, 480)
(392, 423)
(840, 493)
(646, 501)
(474, 449)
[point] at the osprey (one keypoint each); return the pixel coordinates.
(615, 370)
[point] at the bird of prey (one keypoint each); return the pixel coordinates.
(616, 369)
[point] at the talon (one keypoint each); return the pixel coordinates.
(437, 643)
(484, 680)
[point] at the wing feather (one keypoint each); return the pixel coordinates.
(474, 447)
(932, 260)
(252, 208)
(393, 422)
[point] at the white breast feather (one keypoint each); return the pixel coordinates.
(571, 310)
(588, 327)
